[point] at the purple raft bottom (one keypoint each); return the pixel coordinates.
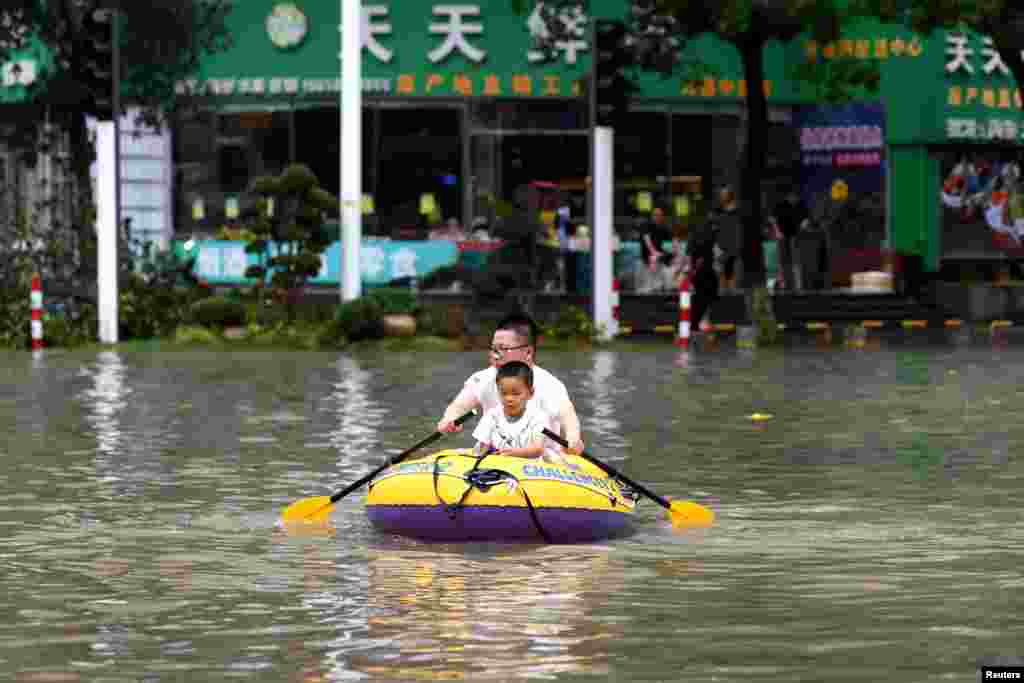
(501, 524)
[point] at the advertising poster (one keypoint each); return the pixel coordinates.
(842, 171)
(982, 203)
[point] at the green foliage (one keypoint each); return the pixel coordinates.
(191, 334)
(161, 44)
(147, 310)
(572, 323)
(291, 213)
(15, 312)
(357, 320)
(218, 312)
(440, 320)
(395, 300)
(63, 331)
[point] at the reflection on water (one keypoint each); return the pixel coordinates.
(600, 389)
(456, 614)
(358, 415)
(871, 525)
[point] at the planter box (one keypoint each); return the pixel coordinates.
(399, 325)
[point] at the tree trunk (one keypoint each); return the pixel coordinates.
(752, 171)
(758, 300)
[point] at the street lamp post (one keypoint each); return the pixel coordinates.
(108, 193)
(351, 148)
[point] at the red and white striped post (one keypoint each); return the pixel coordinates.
(37, 312)
(683, 338)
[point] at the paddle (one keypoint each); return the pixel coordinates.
(318, 508)
(682, 513)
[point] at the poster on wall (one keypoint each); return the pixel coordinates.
(982, 203)
(842, 171)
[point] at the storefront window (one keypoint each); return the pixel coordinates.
(982, 203)
(216, 157)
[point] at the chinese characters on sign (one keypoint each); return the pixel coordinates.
(960, 56)
(574, 24)
(864, 48)
(275, 86)
(456, 30)
(455, 23)
(710, 87)
(983, 129)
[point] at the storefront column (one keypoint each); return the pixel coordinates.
(914, 211)
(468, 180)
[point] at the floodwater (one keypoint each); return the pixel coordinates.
(868, 522)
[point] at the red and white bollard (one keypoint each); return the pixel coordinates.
(683, 338)
(37, 312)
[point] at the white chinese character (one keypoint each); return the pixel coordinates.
(403, 263)
(456, 31)
(1011, 130)
(243, 86)
(575, 25)
(208, 263)
(373, 261)
(223, 86)
(956, 48)
(28, 72)
(18, 73)
(258, 86)
(276, 86)
(370, 30)
(994, 60)
(291, 85)
(235, 262)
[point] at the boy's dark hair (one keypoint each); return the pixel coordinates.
(521, 324)
(515, 369)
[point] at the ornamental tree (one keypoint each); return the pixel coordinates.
(288, 230)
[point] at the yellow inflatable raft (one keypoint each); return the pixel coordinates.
(454, 495)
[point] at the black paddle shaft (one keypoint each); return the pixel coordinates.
(612, 471)
(397, 459)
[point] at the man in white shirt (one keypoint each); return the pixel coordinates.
(515, 339)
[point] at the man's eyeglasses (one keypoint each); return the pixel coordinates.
(501, 351)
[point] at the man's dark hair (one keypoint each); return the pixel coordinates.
(516, 369)
(521, 324)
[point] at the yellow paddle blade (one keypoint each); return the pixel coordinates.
(312, 510)
(688, 514)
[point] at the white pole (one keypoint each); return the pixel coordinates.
(603, 193)
(351, 146)
(106, 231)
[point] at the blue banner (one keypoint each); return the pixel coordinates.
(225, 262)
(842, 151)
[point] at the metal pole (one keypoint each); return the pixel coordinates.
(592, 122)
(115, 33)
(351, 147)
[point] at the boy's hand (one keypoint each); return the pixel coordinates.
(448, 427)
(574, 448)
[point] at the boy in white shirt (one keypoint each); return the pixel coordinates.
(515, 427)
(514, 340)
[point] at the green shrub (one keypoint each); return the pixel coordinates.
(571, 323)
(190, 334)
(62, 331)
(218, 312)
(394, 300)
(441, 320)
(149, 310)
(356, 320)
